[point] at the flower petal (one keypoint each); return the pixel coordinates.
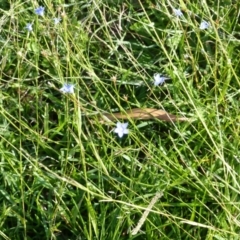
(120, 134)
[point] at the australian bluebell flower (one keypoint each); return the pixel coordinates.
(40, 11)
(29, 27)
(204, 25)
(121, 129)
(57, 20)
(158, 79)
(177, 12)
(67, 88)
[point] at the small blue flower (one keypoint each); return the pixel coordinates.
(121, 129)
(29, 27)
(57, 20)
(40, 11)
(67, 88)
(158, 79)
(204, 25)
(177, 12)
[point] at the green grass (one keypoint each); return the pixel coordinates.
(65, 174)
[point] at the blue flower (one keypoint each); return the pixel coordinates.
(121, 129)
(67, 88)
(29, 27)
(158, 79)
(204, 25)
(57, 20)
(40, 11)
(177, 12)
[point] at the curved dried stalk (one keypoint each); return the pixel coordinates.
(145, 114)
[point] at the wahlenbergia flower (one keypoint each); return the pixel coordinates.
(57, 20)
(29, 27)
(158, 79)
(67, 88)
(121, 129)
(40, 11)
(204, 25)
(177, 12)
